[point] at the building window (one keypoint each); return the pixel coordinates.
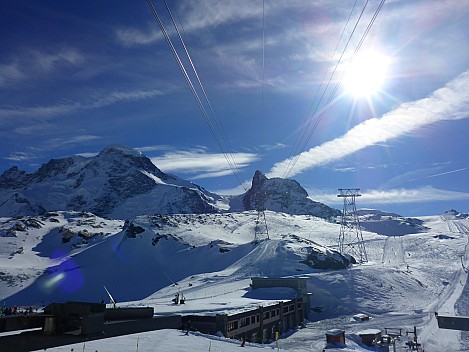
(266, 315)
(272, 313)
(253, 319)
(232, 325)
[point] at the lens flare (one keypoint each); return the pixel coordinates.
(366, 74)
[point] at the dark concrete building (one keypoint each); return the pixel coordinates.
(260, 324)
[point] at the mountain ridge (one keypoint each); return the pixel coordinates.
(121, 182)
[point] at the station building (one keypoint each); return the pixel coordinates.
(263, 323)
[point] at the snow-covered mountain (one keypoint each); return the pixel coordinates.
(55, 256)
(454, 214)
(389, 224)
(280, 195)
(210, 258)
(119, 182)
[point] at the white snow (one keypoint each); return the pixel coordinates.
(211, 258)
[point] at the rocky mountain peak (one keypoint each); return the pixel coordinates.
(258, 180)
(53, 168)
(13, 178)
(282, 195)
(120, 150)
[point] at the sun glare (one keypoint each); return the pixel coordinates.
(366, 74)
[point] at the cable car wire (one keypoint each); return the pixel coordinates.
(214, 126)
(322, 112)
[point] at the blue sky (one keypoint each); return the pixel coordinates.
(77, 76)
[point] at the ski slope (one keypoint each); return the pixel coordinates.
(210, 260)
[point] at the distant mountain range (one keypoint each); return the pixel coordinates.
(122, 183)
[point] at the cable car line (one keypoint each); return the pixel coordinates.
(300, 141)
(215, 128)
(263, 72)
(216, 122)
(320, 116)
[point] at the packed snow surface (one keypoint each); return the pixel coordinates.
(210, 258)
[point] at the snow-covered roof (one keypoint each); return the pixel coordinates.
(369, 332)
(334, 332)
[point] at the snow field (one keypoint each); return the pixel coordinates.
(211, 259)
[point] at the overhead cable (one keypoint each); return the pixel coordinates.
(215, 127)
(321, 114)
(297, 146)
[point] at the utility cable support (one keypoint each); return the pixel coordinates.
(228, 155)
(331, 96)
(351, 237)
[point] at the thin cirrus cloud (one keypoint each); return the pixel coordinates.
(448, 103)
(53, 144)
(32, 64)
(10, 73)
(200, 15)
(20, 156)
(205, 164)
(48, 61)
(395, 196)
(447, 172)
(65, 107)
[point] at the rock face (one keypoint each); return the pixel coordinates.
(281, 195)
(118, 182)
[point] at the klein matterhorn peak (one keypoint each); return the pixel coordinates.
(282, 195)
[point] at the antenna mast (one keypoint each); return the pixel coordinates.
(351, 238)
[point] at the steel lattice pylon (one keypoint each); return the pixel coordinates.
(261, 232)
(351, 238)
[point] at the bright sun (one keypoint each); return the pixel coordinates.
(366, 74)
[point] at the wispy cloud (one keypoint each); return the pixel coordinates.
(275, 146)
(10, 73)
(48, 61)
(448, 103)
(418, 195)
(55, 143)
(394, 196)
(20, 156)
(32, 64)
(52, 144)
(67, 107)
(198, 15)
(154, 148)
(199, 162)
(131, 36)
(447, 172)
